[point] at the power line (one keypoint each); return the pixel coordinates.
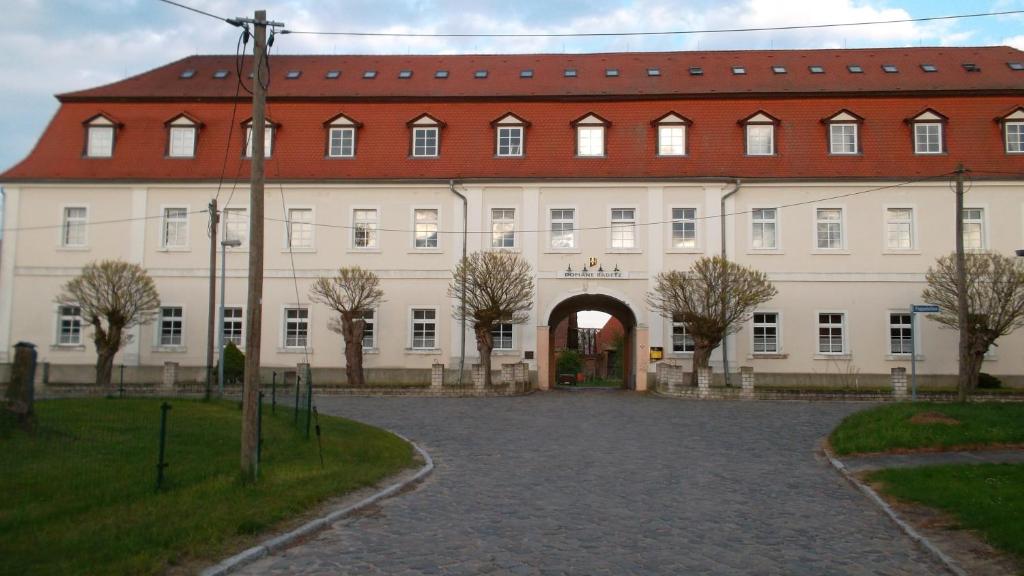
(96, 223)
(198, 11)
(658, 33)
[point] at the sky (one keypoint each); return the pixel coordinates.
(54, 46)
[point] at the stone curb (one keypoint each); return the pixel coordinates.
(907, 529)
(282, 541)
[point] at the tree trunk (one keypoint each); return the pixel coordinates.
(484, 344)
(973, 361)
(701, 357)
(107, 345)
(353, 334)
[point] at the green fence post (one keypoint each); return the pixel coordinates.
(273, 393)
(164, 408)
(259, 431)
(298, 380)
(309, 399)
(120, 387)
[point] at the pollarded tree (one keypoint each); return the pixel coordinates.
(491, 288)
(995, 304)
(351, 294)
(713, 299)
(113, 296)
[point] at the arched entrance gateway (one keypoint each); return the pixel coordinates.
(635, 352)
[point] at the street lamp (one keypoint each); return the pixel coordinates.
(234, 243)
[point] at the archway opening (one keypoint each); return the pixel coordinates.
(600, 332)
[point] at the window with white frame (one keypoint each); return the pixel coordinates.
(268, 140)
(174, 228)
(171, 326)
(73, 226)
(364, 228)
(760, 139)
(671, 140)
(510, 141)
(563, 224)
(236, 225)
(684, 228)
(1014, 132)
(300, 227)
(901, 333)
(342, 142)
(681, 341)
(99, 142)
(843, 138)
(899, 228)
(928, 138)
(829, 228)
(501, 335)
(182, 142)
(69, 325)
(974, 228)
(503, 223)
(623, 228)
(296, 327)
(425, 227)
(424, 328)
(831, 337)
(766, 333)
(233, 325)
(424, 141)
(590, 140)
(369, 329)
(764, 228)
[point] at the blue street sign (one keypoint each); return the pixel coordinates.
(924, 308)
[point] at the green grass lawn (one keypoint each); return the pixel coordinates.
(984, 497)
(79, 497)
(891, 427)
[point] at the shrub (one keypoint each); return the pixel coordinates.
(234, 364)
(569, 362)
(986, 380)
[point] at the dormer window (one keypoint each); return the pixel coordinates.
(99, 136)
(181, 136)
(426, 136)
(341, 136)
(590, 129)
(843, 132)
(510, 131)
(671, 129)
(268, 137)
(760, 134)
(928, 132)
(1013, 131)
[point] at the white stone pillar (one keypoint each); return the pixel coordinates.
(643, 358)
(436, 376)
(899, 382)
(170, 378)
(747, 381)
(543, 359)
(703, 382)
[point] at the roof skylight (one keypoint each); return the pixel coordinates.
(739, 70)
(220, 74)
(441, 74)
(370, 74)
(480, 74)
(929, 68)
(779, 69)
(1018, 66)
(293, 74)
(569, 73)
(971, 67)
(405, 74)
(611, 72)
(332, 74)
(526, 73)
(654, 71)
(855, 69)
(816, 69)
(187, 73)
(890, 68)
(696, 71)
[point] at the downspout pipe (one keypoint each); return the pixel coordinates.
(462, 304)
(725, 256)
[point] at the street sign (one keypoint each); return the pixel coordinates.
(924, 308)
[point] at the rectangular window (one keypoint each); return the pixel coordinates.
(623, 228)
(268, 140)
(73, 227)
(233, 323)
(830, 333)
(510, 141)
(681, 341)
(172, 320)
(503, 223)
(684, 228)
(764, 229)
(928, 138)
(296, 327)
(183, 142)
(501, 334)
(766, 333)
(590, 140)
(175, 228)
(343, 142)
(671, 140)
(760, 139)
(369, 330)
(69, 326)
(424, 142)
(900, 334)
(425, 235)
(830, 228)
(300, 227)
(974, 228)
(843, 138)
(236, 224)
(563, 223)
(1014, 137)
(364, 228)
(424, 329)
(100, 143)
(899, 228)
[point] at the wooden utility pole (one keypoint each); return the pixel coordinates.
(211, 315)
(963, 377)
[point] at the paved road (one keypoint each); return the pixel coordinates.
(611, 483)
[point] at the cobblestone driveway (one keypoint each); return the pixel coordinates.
(611, 483)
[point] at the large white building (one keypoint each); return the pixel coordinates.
(832, 169)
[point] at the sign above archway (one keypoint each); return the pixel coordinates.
(594, 275)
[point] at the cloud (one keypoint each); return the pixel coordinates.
(1015, 41)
